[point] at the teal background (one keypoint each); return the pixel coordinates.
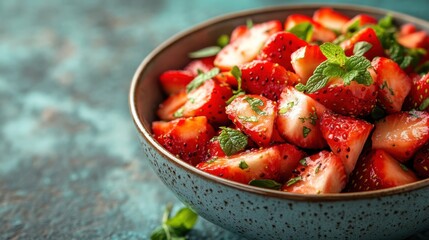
(71, 166)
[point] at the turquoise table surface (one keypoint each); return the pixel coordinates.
(71, 166)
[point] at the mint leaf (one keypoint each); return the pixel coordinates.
(424, 104)
(249, 23)
(333, 70)
(265, 183)
(361, 48)
(354, 27)
(386, 22)
(361, 65)
(175, 227)
(316, 81)
(334, 53)
(348, 77)
(231, 141)
(303, 31)
(222, 40)
(236, 72)
(205, 52)
(201, 78)
(305, 131)
(293, 181)
(248, 119)
(303, 162)
(255, 103)
(243, 165)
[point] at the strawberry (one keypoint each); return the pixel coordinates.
(200, 65)
(320, 33)
(167, 109)
(276, 163)
(254, 115)
(298, 119)
(419, 39)
(394, 84)
(266, 78)
(214, 149)
(320, 173)
(378, 170)
(351, 100)
(346, 136)
(305, 60)
(401, 134)
(186, 138)
(421, 161)
(279, 47)
(367, 35)
(406, 29)
(175, 81)
(227, 78)
(246, 46)
(238, 32)
(330, 18)
(361, 20)
(207, 100)
(419, 93)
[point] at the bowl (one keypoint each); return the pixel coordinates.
(258, 213)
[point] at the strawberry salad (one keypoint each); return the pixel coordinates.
(315, 104)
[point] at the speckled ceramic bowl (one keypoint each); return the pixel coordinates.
(258, 213)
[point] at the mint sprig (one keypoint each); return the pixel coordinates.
(354, 68)
(231, 141)
(201, 78)
(236, 73)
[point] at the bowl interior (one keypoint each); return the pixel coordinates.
(146, 93)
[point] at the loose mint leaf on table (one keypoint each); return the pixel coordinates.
(231, 140)
(266, 183)
(201, 78)
(303, 31)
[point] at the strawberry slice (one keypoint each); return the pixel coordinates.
(421, 161)
(276, 163)
(279, 47)
(419, 39)
(214, 149)
(227, 78)
(200, 65)
(320, 33)
(394, 84)
(378, 170)
(167, 109)
(407, 28)
(266, 78)
(207, 100)
(175, 81)
(238, 32)
(361, 20)
(320, 173)
(246, 46)
(346, 136)
(254, 115)
(186, 138)
(401, 134)
(419, 93)
(367, 35)
(305, 60)
(351, 100)
(330, 18)
(298, 119)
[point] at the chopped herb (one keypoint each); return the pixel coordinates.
(236, 72)
(248, 119)
(303, 162)
(288, 107)
(378, 113)
(266, 183)
(212, 160)
(249, 23)
(303, 31)
(293, 181)
(231, 141)
(255, 103)
(354, 27)
(414, 113)
(205, 52)
(317, 168)
(223, 40)
(361, 48)
(178, 113)
(424, 104)
(403, 167)
(201, 78)
(243, 165)
(305, 131)
(312, 118)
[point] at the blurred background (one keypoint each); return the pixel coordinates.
(70, 165)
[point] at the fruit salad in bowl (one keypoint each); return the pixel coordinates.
(312, 111)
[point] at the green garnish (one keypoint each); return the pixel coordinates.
(361, 48)
(243, 165)
(303, 162)
(255, 103)
(424, 104)
(293, 181)
(178, 113)
(288, 107)
(305, 131)
(317, 168)
(303, 31)
(248, 119)
(223, 40)
(201, 78)
(236, 72)
(403, 167)
(231, 141)
(266, 183)
(249, 23)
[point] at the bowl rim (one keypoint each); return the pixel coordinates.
(146, 134)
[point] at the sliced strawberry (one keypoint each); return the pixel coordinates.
(407, 28)
(421, 161)
(351, 100)
(305, 60)
(298, 119)
(394, 84)
(330, 18)
(227, 78)
(378, 170)
(401, 134)
(320, 33)
(254, 115)
(214, 149)
(419, 93)
(238, 32)
(361, 20)
(419, 39)
(246, 47)
(175, 81)
(266, 78)
(366, 35)
(167, 109)
(346, 136)
(200, 65)
(207, 100)
(320, 173)
(279, 47)
(186, 138)
(274, 163)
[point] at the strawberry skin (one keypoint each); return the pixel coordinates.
(394, 84)
(175, 81)
(298, 119)
(279, 47)
(305, 60)
(346, 136)
(401, 134)
(187, 138)
(266, 78)
(246, 46)
(378, 170)
(419, 92)
(421, 162)
(320, 33)
(208, 100)
(322, 172)
(258, 125)
(330, 18)
(276, 163)
(200, 65)
(171, 105)
(367, 35)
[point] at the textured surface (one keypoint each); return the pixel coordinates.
(71, 165)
